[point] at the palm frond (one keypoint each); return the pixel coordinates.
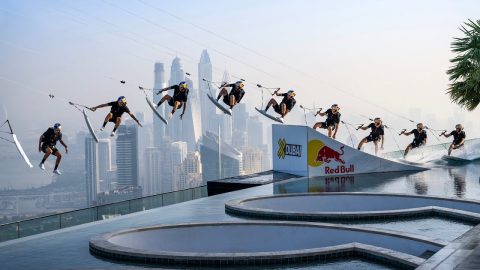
(464, 75)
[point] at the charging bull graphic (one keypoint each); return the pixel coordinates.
(327, 154)
(320, 154)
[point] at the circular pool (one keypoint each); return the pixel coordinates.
(343, 205)
(263, 242)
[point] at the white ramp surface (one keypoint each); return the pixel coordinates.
(303, 151)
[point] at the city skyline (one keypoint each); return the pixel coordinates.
(396, 62)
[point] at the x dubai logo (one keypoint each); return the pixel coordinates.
(286, 149)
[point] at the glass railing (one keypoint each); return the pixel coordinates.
(57, 221)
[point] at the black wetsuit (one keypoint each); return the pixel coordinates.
(289, 103)
(49, 140)
(332, 119)
(458, 136)
(178, 95)
(375, 133)
(419, 138)
(236, 91)
(117, 110)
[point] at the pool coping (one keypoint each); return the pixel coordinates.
(236, 207)
(101, 246)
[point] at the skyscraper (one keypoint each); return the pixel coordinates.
(252, 160)
(153, 175)
(177, 75)
(158, 125)
(178, 153)
(127, 155)
(231, 158)
(191, 123)
(91, 169)
(191, 174)
(255, 132)
(240, 117)
(206, 106)
(226, 121)
(104, 163)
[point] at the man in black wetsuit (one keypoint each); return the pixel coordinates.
(47, 143)
(115, 115)
(420, 138)
(377, 134)
(179, 98)
(235, 95)
(458, 138)
(285, 106)
(332, 122)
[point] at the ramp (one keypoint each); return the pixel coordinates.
(300, 150)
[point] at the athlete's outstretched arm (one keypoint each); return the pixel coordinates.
(337, 125)
(166, 89)
(364, 127)
(184, 108)
(64, 145)
(99, 106)
(320, 113)
(40, 143)
(134, 118)
(241, 96)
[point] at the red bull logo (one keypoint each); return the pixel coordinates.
(327, 154)
(319, 154)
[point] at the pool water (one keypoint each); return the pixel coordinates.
(436, 228)
(354, 263)
(450, 181)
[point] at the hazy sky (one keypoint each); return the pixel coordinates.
(392, 53)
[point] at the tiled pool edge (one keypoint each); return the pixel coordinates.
(101, 246)
(236, 207)
(456, 253)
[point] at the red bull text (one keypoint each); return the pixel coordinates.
(340, 169)
(321, 154)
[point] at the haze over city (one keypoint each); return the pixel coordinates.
(80, 51)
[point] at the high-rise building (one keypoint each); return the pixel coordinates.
(91, 169)
(240, 117)
(104, 163)
(211, 151)
(153, 175)
(166, 179)
(175, 127)
(159, 83)
(191, 123)
(206, 106)
(191, 174)
(267, 157)
(178, 152)
(224, 120)
(127, 155)
(255, 132)
(252, 160)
